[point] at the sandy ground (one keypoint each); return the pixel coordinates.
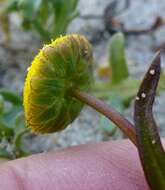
(15, 59)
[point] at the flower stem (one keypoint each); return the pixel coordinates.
(126, 126)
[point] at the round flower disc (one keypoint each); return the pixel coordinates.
(58, 69)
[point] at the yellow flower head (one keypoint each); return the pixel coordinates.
(60, 67)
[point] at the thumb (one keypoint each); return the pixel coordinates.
(109, 165)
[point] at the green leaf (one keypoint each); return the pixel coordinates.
(117, 59)
(6, 131)
(10, 116)
(21, 150)
(1, 104)
(64, 12)
(128, 87)
(162, 81)
(5, 25)
(29, 7)
(49, 19)
(19, 122)
(150, 148)
(44, 13)
(39, 28)
(5, 154)
(11, 97)
(9, 6)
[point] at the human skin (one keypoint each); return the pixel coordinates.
(112, 165)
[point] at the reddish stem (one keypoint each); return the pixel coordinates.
(126, 126)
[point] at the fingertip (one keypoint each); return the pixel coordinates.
(109, 165)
